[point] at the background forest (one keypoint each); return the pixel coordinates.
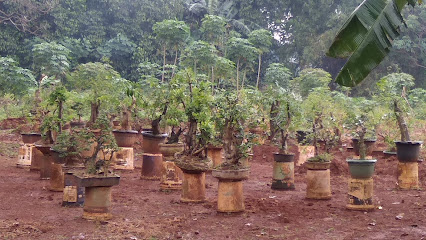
(232, 42)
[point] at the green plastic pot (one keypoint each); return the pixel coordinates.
(363, 168)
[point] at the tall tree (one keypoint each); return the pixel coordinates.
(262, 40)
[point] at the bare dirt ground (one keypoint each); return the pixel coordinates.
(28, 210)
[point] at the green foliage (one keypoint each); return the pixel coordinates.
(277, 74)
(321, 158)
(261, 39)
(213, 29)
(200, 52)
(72, 144)
(311, 78)
(51, 59)
(14, 79)
(366, 38)
(171, 33)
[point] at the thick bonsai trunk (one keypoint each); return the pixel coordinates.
(174, 136)
(362, 148)
(190, 138)
(60, 113)
(273, 128)
(284, 132)
(230, 144)
(125, 121)
(403, 127)
(94, 111)
(155, 124)
(314, 132)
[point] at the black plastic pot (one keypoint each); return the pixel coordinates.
(408, 151)
(278, 157)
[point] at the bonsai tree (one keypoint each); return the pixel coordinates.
(323, 114)
(363, 121)
(233, 113)
(155, 102)
(128, 109)
(194, 95)
(105, 143)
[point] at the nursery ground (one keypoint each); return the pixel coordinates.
(28, 210)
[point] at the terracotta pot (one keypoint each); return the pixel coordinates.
(193, 186)
(152, 165)
(125, 138)
(151, 142)
(169, 150)
(230, 189)
(30, 138)
(56, 178)
(369, 146)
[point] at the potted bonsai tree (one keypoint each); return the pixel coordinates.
(284, 111)
(155, 103)
(126, 137)
(194, 94)
(232, 115)
(97, 178)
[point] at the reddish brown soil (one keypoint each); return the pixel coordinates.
(29, 211)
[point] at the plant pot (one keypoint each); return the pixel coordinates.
(408, 151)
(230, 189)
(25, 156)
(151, 142)
(389, 154)
(125, 138)
(361, 169)
(46, 162)
(30, 138)
(318, 180)
(369, 146)
(169, 150)
(97, 195)
(36, 160)
(283, 172)
(214, 154)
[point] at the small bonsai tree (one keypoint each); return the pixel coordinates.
(72, 144)
(105, 142)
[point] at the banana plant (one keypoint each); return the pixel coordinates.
(366, 38)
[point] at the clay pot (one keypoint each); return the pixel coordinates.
(30, 138)
(230, 189)
(369, 146)
(408, 151)
(46, 162)
(283, 172)
(151, 142)
(152, 165)
(56, 178)
(125, 138)
(169, 150)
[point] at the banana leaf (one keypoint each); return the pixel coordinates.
(366, 38)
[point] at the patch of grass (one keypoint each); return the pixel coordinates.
(9, 149)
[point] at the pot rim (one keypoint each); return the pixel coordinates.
(409, 142)
(31, 134)
(361, 161)
(149, 134)
(125, 131)
(366, 140)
